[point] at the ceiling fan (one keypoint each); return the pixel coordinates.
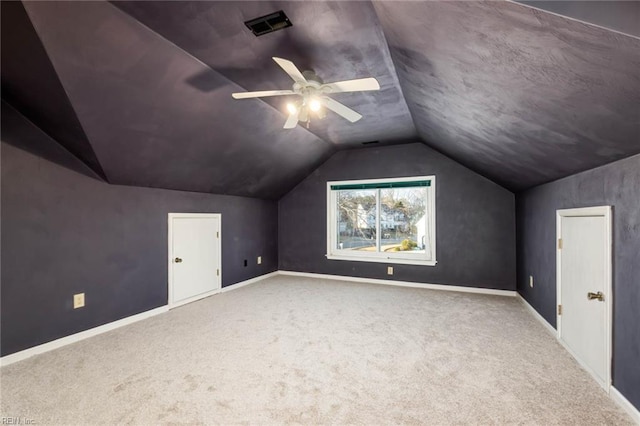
(313, 92)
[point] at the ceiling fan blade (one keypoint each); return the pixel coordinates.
(262, 94)
(292, 120)
(340, 109)
(358, 85)
(290, 69)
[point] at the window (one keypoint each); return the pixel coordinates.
(382, 220)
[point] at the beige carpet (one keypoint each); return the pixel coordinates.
(306, 351)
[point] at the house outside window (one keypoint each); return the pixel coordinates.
(382, 220)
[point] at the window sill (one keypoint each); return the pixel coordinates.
(394, 260)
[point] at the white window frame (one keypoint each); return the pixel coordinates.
(333, 253)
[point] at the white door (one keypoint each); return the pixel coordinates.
(194, 256)
(584, 289)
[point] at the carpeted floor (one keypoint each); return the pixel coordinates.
(309, 351)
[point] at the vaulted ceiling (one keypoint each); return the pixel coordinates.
(140, 92)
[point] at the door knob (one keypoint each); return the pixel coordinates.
(597, 295)
(178, 260)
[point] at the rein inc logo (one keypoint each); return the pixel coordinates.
(16, 421)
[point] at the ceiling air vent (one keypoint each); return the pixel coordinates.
(268, 23)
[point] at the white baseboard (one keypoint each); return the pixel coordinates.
(248, 282)
(73, 338)
(404, 283)
(539, 317)
(625, 404)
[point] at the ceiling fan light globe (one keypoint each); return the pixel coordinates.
(292, 108)
(315, 105)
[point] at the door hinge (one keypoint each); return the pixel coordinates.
(217, 234)
(559, 243)
(218, 272)
(559, 309)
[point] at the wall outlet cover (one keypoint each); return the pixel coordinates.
(389, 270)
(259, 260)
(78, 300)
(531, 281)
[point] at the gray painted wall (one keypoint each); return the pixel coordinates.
(618, 185)
(475, 220)
(64, 232)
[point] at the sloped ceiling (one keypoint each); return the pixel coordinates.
(141, 91)
(517, 94)
(30, 84)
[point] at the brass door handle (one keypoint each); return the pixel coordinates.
(177, 260)
(597, 295)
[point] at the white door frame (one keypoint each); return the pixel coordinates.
(170, 263)
(601, 211)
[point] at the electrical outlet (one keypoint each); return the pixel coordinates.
(78, 300)
(389, 270)
(259, 260)
(531, 281)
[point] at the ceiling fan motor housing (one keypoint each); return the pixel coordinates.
(311, 87)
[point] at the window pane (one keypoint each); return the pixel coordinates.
(356, 217)
(403, 220)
